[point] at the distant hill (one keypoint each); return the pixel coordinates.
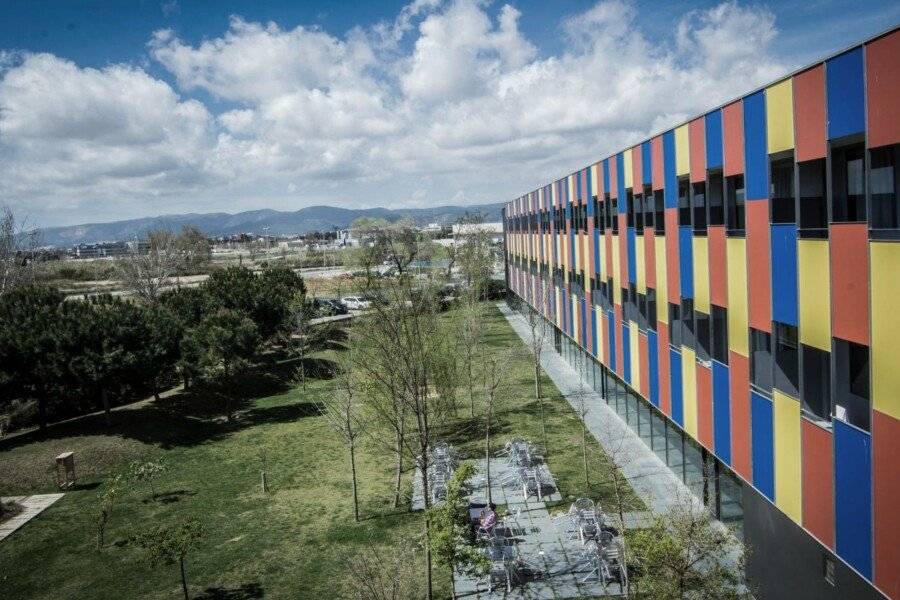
(312, 218)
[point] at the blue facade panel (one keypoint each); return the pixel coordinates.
(632, 259)
(686, 260)
(653, 366)
(721, 412)
(626, 352)
(853, 496)
(762, 445)
(620, 183)
(670, 178)
(675, 381)
(647, 163)
(784, 274)
(845, 94)
(756, 158)
(594, 331)
(714, 139)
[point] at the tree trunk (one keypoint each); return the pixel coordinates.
(587, 481)
(156, 389)
(353, 476)
(398, 481)
(487, 453)
(537, 378)
(471, 390)
(183, 579)
(424, 471)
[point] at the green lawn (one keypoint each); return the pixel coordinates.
(294, 542)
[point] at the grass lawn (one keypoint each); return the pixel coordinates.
(294, 542)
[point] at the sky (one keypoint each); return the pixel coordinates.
(115, 110)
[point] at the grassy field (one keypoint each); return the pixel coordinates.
(294, 542)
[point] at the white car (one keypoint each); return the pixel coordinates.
(356, 303)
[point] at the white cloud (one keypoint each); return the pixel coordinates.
(447, 102)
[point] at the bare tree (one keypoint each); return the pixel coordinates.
(400, 342)
(147, 274)
(343, 411)
(493, 384)
(534, 318)
(379, 573)
(17, 250)
(471, 325)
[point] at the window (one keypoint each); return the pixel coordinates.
(813, 199)
(629, 207)
(715, 198)
(781, 190)
(687, 322)
(610, 292)
(828, 569)
(734, 203)
(698, 202)
(659, 218)
(848, 184)
(675, 324)
(851, 383)
(651, 308)
(786, 359)
(720, 334)
(704, 348)
(642, 308)
(649, 206)
(614, 215)
(684, 201)
(883, 177)
(638, 211)
(598, 214)
(761, 359)
(815, 385)
(631, 305)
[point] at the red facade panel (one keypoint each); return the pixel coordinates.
(733, 135)
(644, 366)
(665, 398)
(608, 241)
(613, 181)
(850, 282)
(637, 169)
(883, 83)
(759, 276)
(656, 148)
(650, 257)
(697, 136)
(623, 250)
(673, 272)
(810, 137)
(599, 183)
(818, 482)
(740, 414)
(704, 406)
(620, 362)
(718, 266)
(606, 338)
(885, 451)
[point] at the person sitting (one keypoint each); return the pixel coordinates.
(488, 520)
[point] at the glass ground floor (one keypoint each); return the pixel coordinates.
(709, 479)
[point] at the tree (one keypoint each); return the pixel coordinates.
(31, 362)
(536, 327)
(342, 410)
(146, 275)
(398, 345)
(106, 502)
(161, 332)
(471, 324)
(379, 573)
(451, 539)
(146, 472)
(685, 555)
(168, 545)
(221, 348)
(17, 249)
(475, 257)
(493, 385)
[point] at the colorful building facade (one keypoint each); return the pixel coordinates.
(740, 273)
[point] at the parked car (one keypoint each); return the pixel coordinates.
(326, 307)
(356, 302)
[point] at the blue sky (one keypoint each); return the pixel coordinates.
(123, 109)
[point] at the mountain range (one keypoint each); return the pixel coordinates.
(312, 218)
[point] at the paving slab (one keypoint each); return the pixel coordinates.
(32, 506)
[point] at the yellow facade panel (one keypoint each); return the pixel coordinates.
(689, 388)
(662, 289)
(627, 166)
(617, 281)
(576, 319)
(813, 268)
(780, 116)
(885, 282)
(600, 350)
(787, 456)
(682, 151)
(738, 324)
(701, 273)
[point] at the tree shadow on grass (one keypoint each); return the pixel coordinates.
(170, 497)
(243, 592)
